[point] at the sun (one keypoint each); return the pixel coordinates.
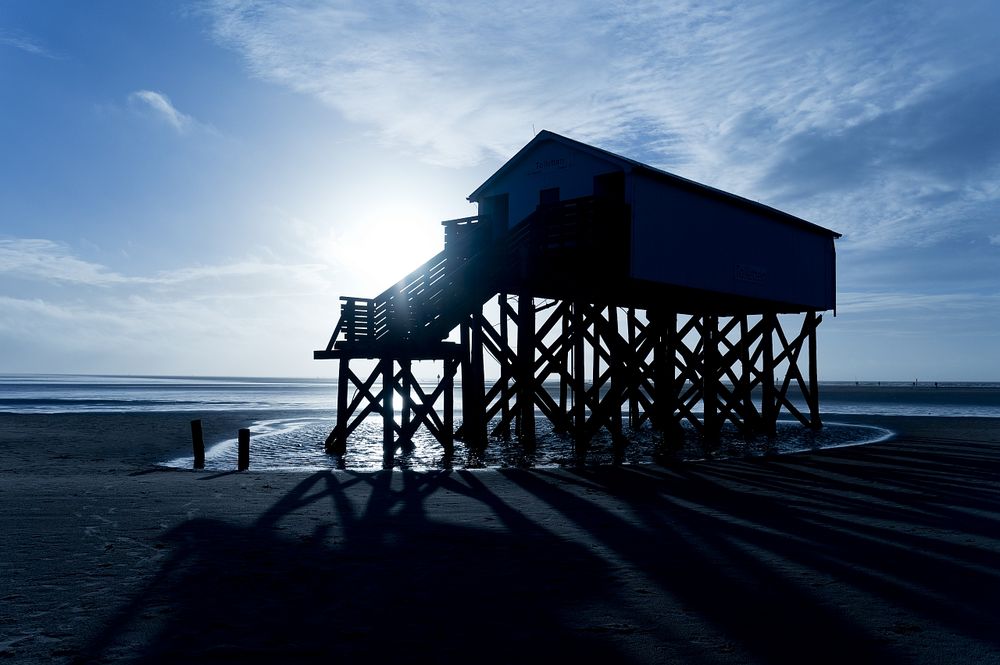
(381, 246)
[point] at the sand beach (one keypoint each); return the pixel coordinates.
(880, 553)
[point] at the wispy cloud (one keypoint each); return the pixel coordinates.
(873, 120)
(995, 239)
(91, 317)
(47, 261)
(25, 43)
(159, 105)
(883, 301)
(40, 259)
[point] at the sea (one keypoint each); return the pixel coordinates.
(289, 419)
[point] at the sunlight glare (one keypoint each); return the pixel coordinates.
(384, 244)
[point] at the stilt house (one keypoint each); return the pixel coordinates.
(644, 296)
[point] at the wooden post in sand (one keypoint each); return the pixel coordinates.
(243, 459)
(198, 443)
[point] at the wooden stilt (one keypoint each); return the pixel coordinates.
(595, 356)
(616, 397)
(744, 396)
(525, 367)
(564, 360)
(473, 391)
(710, 380)
(662, 351)
(505, 373)
(336, 443)
(448, 430)
(388, 417)
(633, 400)
(768, 406)
(814, 418)
(579, 385)
(406, 402)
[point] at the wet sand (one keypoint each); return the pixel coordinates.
(887, 553)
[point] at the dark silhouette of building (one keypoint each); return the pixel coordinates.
(626, 295)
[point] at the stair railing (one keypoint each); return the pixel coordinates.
(425, 304)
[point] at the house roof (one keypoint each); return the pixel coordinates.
(651, 172)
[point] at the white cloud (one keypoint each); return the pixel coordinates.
(161, 106)
(995, 239)
(845, 114)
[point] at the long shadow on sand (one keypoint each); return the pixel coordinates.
(881, 554)
(835, 557)
(378, 582)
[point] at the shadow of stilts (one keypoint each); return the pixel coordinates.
(351, 566)
(826, 558)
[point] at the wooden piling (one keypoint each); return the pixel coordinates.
(406, 407)
(505, 369)
(633, 400)
(243, 458)
(448, 424)
(525, 367)
(336, 443)
(198, 443)
(579, 388)
(388, 417)
(768, 407)
(814, 417)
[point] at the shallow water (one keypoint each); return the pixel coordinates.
(297, 444)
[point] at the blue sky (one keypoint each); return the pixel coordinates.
(188, 188)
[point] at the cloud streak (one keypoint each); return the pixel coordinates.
(42, 260)
(160, 106)
(25, 43)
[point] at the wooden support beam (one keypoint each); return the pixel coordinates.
(744, 394)
(564, 370)
(656, 367)
(473, 388)
(667, 385)
(336, 443)
(595, 347)
(792, 351)
(388, 417)
(633, 400)
(406, 402)
(448, 428)
(768, 407)
(525, 367)
(814, 417)
(710, 381)
(617, 369)
(579, 400)
(505, 371)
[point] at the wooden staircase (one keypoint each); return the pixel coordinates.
(416, 314)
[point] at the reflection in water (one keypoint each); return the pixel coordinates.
(297, 444)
